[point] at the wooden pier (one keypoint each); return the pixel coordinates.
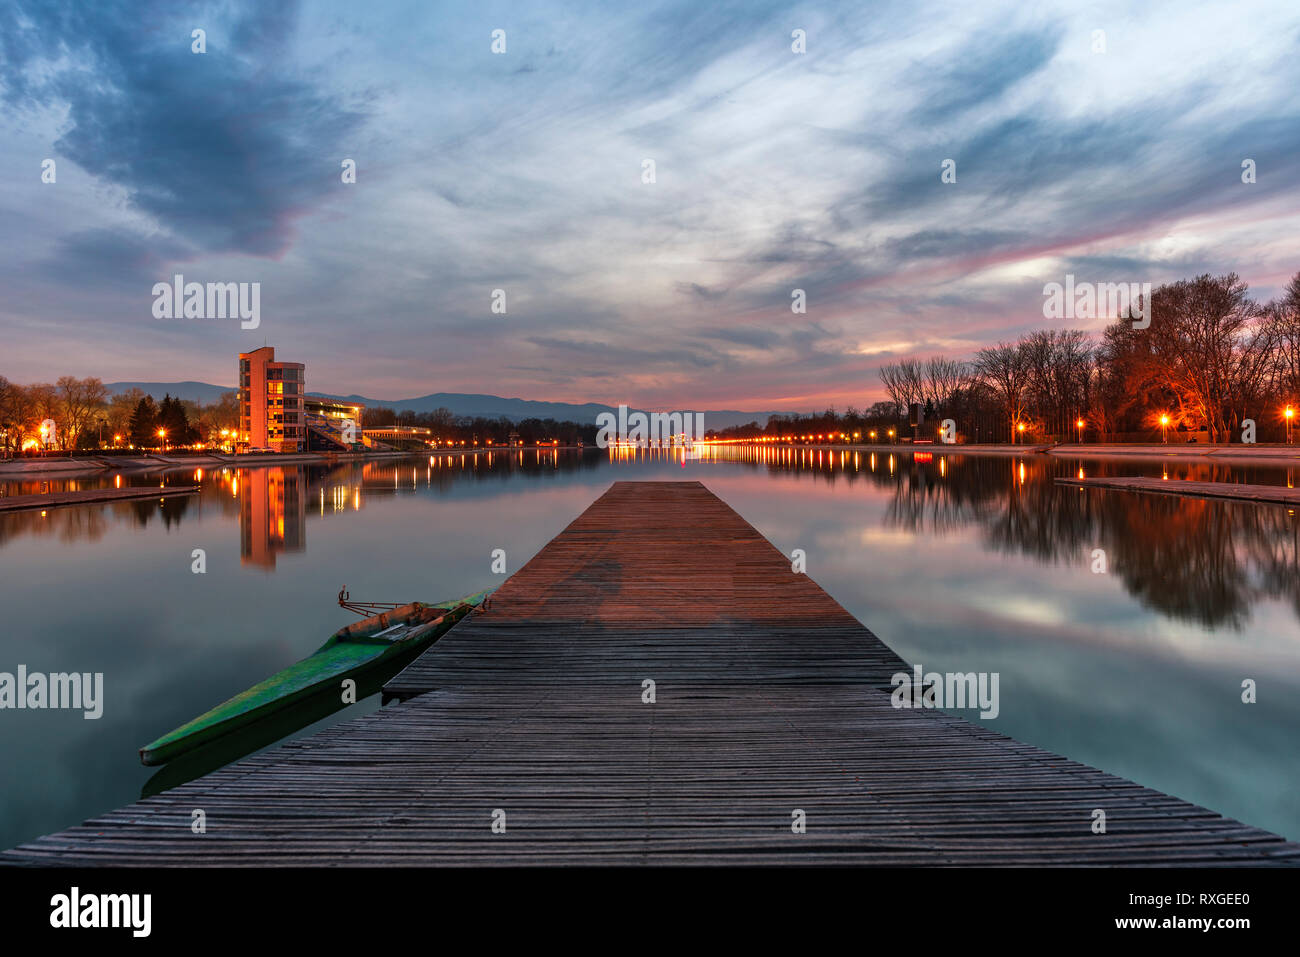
(89, 496)
(771, 702)
(1227, 491)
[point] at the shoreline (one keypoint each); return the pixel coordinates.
(21, 468)
(49, 500)
(1260, 455)
(1218, 491)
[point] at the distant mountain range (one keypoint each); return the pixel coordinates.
(489, 406)
(201, 392)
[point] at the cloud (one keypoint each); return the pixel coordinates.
(223, 150)
(775, 171)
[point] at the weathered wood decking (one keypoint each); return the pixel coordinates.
(27, 503)
(768, 700)
(1229, 491)
(659, 580)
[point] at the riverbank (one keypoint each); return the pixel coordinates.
(1248, 454)
(1227, 491)
(97, 464)
(29, 503)
(106, 464)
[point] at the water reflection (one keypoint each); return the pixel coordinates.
(1136, 671)
(272, 514)
(1192, 560)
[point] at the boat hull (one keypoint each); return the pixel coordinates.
(350, 653)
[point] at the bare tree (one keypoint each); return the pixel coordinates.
(1204, 346)
(1004, 371)
(79, 400)
(900, 385)
(943, 377)
(120, 407)
(9, 424)
(1284, 324)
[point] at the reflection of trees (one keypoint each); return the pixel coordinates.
(78, 524)
(1274, 551)
(171, 509)
(1177, 555)
(1207, 562)
(1191, 559)
(90, 522)
(449, 468)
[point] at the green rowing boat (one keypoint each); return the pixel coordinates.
(351, 652)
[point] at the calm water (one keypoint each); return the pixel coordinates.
(961, 563)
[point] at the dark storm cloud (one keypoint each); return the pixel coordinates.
(224, 149)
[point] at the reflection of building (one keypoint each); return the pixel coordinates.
(270, 402)
(272, 514)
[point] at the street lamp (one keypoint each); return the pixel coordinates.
(162, 434)
(1290, 414)
(1164, 427)
(1022, 433)
(891, 435)
(1080, 426)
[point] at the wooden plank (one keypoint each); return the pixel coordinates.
(20, 503)
(659, 580)
(1231, 491)
(769, 698)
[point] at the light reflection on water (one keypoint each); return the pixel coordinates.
(959, 562)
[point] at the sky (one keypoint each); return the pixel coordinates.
(524, 171)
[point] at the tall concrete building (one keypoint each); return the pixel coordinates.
(271, 402)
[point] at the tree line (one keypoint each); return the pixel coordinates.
(447, 426)
(87, 417)
(1210, 360)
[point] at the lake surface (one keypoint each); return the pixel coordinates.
(959, 562)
